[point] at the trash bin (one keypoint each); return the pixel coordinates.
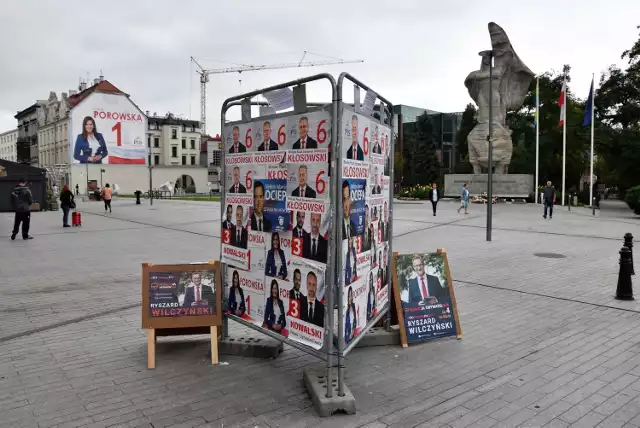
(138, 193)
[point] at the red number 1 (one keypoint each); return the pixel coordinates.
(249, 304)
(118, 128)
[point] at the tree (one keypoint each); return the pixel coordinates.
(467, 123)
(426, 168)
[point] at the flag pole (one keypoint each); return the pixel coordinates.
(593, 97)
(564, 139)
(537, 140)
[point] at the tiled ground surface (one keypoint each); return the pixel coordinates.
(545, 343)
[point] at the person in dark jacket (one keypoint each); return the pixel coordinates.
(549, 195)
(434, 197)
(21, 199)
(67, 203)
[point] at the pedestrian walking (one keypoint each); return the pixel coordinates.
(21, 199)
(67, 203)
(434, 197)
(107, 194)
(77, 190)
(464, 200)
(549, 195)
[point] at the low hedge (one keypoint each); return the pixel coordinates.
(632, 198)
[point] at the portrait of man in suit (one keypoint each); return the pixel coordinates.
(197, 294)
(314, 246)
(348, 226)
(424, 287)
(376, 183)
(237, 187)
(298, 231)
(355, 151)
(268, 143)
(305, 141)
(368, 230)
(227, 223)
(237, 146)
(295, 293)
(303, 190)
(239, 235)
(350, 263)
(313, 311)
(377, 149)
(385, 236)
(258, 221)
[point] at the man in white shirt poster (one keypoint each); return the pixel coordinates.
(424, 287)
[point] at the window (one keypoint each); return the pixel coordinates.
(174, 134)
(184, 143)
(184, 128)
(193, 160)
(156, 142)
(174, 152)
(193, 128)
(156, 159)
(193, 144)
(184, 160)
(216, 158)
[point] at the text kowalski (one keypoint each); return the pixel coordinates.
(306, 329)
(235, 252)
(305, 156)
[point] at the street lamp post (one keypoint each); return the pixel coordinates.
(102, 171)
(490, 54)
(150, 169)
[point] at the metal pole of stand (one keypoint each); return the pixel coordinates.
(628, 242)
(624, 291)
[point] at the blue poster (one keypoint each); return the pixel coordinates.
(425, 321)
(275, 204)
(357, 194)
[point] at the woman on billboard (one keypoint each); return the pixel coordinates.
(90, 146)
(236, 297)
(274, 315)
(351, 319)
(276, 261)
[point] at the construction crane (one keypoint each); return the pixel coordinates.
(204, 77)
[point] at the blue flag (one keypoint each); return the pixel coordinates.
(587, 111)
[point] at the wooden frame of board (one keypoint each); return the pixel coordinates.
(174, 326)
(398, 301)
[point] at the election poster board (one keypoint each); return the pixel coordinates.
(364, 226)
(275, 223)
(175, 296)
(424, 296)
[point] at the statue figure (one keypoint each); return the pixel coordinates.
(510, 83)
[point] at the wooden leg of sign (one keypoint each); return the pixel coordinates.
(398, 302)
(214, 344)
(151, 348)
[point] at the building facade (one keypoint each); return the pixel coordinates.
(8, 145)
(173, 141)
(53, 130)
(445, 127)
(27, 143)
(212, 148)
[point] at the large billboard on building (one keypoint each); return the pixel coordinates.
(108, 129)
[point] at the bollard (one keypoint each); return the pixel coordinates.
(569, 201)
(625, 289)
(628, 242)
(593, 205)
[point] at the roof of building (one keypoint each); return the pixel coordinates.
(170, 119)
(103, 86)
(28, 110)
(15, 130)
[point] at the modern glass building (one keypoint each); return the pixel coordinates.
(445, 127)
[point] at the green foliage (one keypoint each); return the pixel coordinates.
(467, 123)
(421, 164)
(418, 192)
(632, 198)
(434, 264)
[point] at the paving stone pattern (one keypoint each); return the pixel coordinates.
(545, 343)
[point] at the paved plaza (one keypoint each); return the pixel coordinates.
(544, 341)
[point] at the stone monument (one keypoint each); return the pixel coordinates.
(510, 79)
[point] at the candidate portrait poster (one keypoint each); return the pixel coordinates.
(182, 293)
(308, 182)
(107, 129)
(310, 236)
(353, 206)
(278, 255)
(355, 310)
(245, 294)
(269, 213)
(426, 296)
(357, 131)
(235, 234)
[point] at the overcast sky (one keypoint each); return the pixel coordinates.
(415, 52)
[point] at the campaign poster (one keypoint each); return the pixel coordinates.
(382, 279)
(270, 135)
(107, 129)
(241, 171)
(278, 255)
(275, 306)
(238, 139)
(308, 182)
(354, 195)
(310, 236)
(246, 293)
(306, 303)
(309, 131)
(178, 294)
(269, 212)
(349, 253)
(425, 296)
(356, 136)
(355, 311)
(235, 233)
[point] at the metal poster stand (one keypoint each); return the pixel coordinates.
(327, 397)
